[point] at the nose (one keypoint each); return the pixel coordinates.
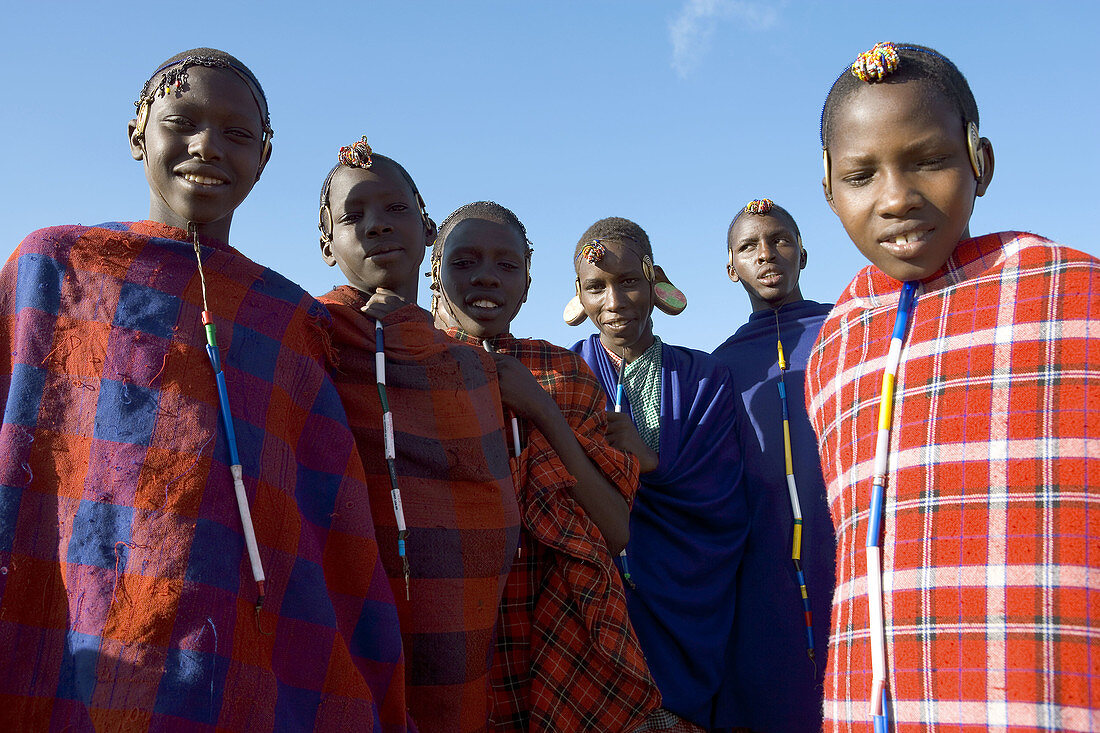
(204, 145)
(615, 299)
(897, 195)
(376, 224)
(485, 276)
(765, 253)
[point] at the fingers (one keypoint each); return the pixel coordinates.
(381, 303)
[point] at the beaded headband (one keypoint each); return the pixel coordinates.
(760, 207)
(356, 155)
(175, 75)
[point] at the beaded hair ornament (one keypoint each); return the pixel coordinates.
(356, 155)
(174, 80)
(874, 66)
(667, 297)
(760, 207)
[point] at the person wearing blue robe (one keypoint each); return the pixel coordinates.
(689, 519)
(772, 682)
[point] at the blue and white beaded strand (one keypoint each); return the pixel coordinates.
(390, 451)
(235, 469)
(874, 522)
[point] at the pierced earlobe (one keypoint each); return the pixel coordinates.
(826, 182)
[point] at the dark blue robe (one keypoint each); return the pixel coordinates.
(687, 527)
(772, 685)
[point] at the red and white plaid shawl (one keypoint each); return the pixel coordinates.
(991, 536)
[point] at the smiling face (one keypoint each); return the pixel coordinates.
(378, 233)
(766, 257)
(203, 151)
(618, 298)
(902, 182)
(484, 275)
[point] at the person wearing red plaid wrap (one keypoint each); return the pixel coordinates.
(427, 417)
(963, 596)
(566, 655)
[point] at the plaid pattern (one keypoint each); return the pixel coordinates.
(642, 385)
(666, 721)
(566, 657)
(456, 487)
(991, 529)
(126, 595)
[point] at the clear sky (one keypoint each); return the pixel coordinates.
(673, 114)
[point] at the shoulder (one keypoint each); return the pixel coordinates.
(697, 362)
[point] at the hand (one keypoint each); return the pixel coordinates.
(622, 434)
(382, 303)
(520, 391)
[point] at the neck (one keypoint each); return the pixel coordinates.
(631, 352)
(773, 305)
(218, 230)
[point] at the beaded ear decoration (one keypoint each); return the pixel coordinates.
(760, 207)
(356, 155)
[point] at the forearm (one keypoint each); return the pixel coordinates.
(603, 503)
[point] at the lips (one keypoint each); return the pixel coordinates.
(617, 325)
(770, 277)
(202, 175)
(384, 248)
(906, 243)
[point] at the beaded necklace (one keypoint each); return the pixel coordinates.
(874, 522)
(390, 450)
(792, 488)
(235, 469)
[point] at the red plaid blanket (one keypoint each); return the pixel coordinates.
(456, 487)
(566, 658)
(992, 523)
(126, 595)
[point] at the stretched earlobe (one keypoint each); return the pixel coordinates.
(668, 298)
(574, 312)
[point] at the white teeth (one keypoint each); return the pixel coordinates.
(201, 179)
(483, 303)
(906, 238)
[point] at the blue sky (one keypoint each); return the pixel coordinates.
(672, 113)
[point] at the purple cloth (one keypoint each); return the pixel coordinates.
(687, 527)
(771, 684)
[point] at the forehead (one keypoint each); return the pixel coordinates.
(363, 185)
(753, 226)
(484, 234)
(620, 258)
(876, 113)
(216, 90)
